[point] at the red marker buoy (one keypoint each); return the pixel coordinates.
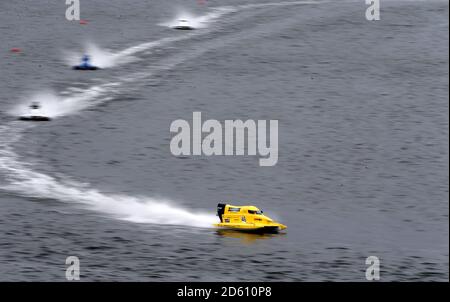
(16, 49)
(83, 22)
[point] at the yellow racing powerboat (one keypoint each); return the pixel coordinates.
(246, 218)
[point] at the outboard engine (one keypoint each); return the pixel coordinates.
(220, 210)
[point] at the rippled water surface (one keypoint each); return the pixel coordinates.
(363, 140)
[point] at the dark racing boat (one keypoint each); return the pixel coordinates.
(85, 64)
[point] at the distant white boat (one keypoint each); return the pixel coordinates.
(35, 114)
(184, 25)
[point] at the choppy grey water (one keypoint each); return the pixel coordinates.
(363, 141)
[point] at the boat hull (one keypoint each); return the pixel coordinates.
(85, 68)
(35, 118)
(251, 228)
(183, 27)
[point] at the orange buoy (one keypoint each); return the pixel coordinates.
(83, 22)
(15, 49)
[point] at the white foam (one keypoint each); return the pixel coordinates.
(21, 179)
(100, 57)
(198, 22)
(54, 106)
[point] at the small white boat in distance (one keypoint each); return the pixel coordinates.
(183, 24)
(35, 114)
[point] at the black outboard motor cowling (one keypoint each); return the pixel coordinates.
(220, 210)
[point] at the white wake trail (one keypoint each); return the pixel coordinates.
(107, 59)
(20, 178)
